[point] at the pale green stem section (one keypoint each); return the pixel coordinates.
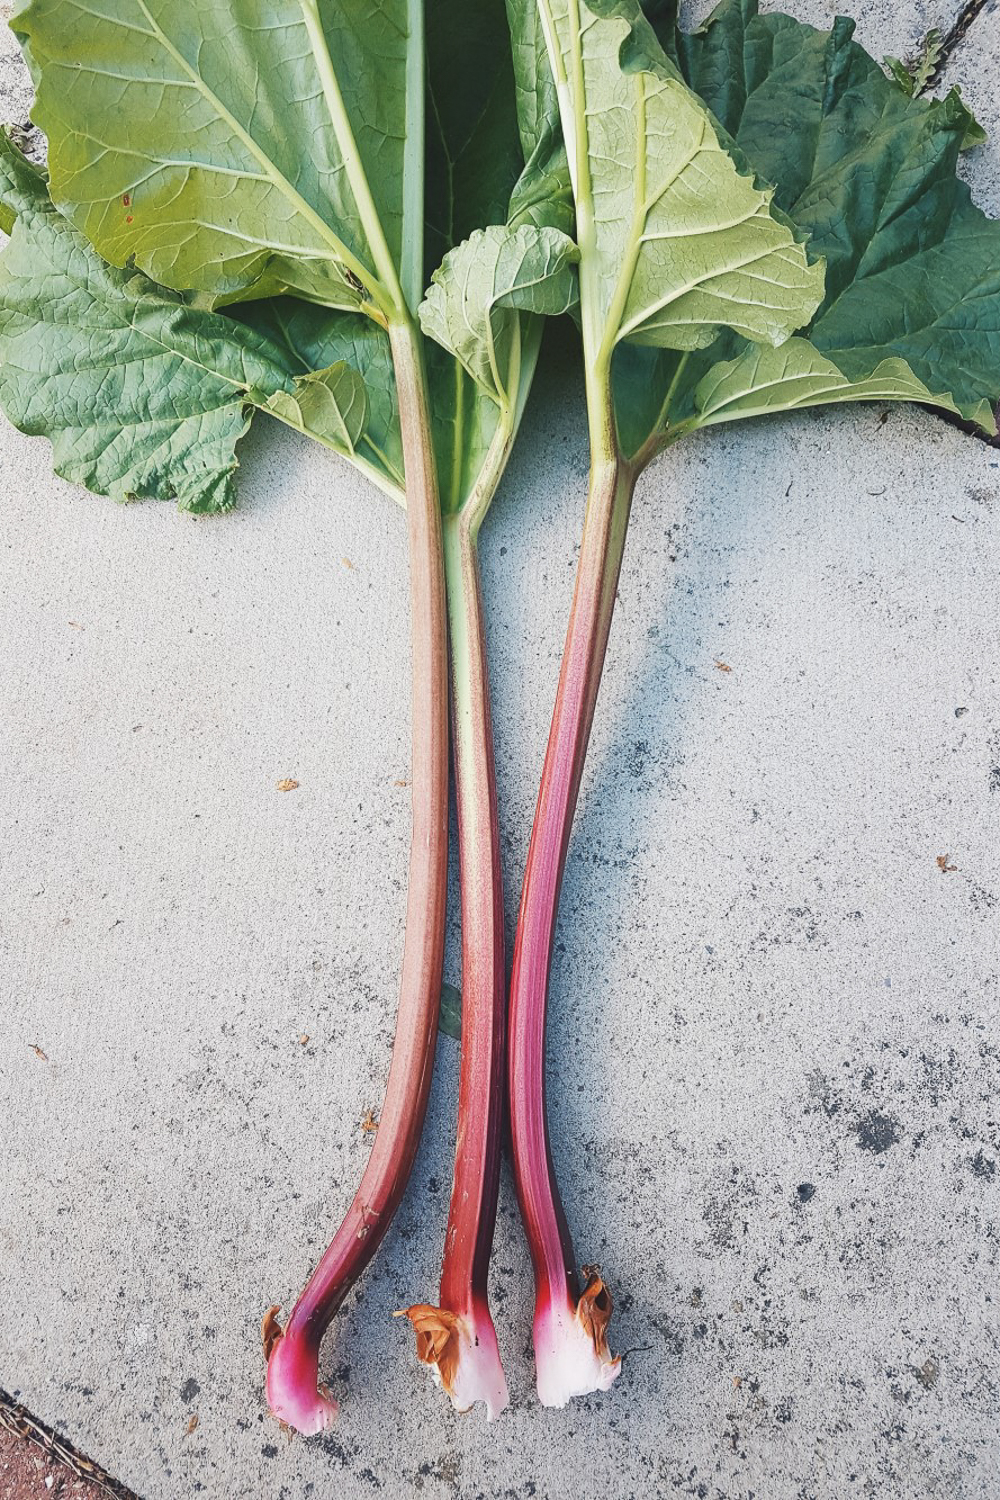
(572, 92)
(340, 120)
(411, 250)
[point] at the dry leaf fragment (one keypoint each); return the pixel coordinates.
(270, 1330)
(288, 785)
(303, 1039)
(75, 624)
(368, 1120)
(723, 666)
(192, 1424)
(38, 1052)
(347, 563)
(943, 865)
(400, 783)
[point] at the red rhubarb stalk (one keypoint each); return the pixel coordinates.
(571, 1349)
(457, 1339)
(293, 1390)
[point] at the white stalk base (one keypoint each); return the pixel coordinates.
(567, 1363)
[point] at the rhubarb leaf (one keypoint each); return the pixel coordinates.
(765, 379)
(313, 340)
(139, 393)
(676, 241)
(272, 145)
(912, 304)
(472, 307)
(450, 1021)
(543, 195)
(473, 149)
(330, 401)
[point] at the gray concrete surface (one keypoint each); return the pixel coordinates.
(776, 1065)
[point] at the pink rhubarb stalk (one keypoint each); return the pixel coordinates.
(570, 1326)
(292, 1354)
(457, 1339)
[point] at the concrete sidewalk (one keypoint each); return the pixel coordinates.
(775, 1055)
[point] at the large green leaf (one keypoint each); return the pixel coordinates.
(139, 393)
(675, 241)
(912, 304)
(271, 144)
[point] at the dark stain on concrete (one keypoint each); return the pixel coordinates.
(876, 1132)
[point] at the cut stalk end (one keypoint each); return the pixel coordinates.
(572, 1357)
(293, 1390)
(462, 1355)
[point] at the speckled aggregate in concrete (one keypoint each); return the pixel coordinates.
(775, 1080)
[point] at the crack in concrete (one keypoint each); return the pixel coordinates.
(967, 16)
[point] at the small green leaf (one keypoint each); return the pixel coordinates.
(914, 77)
(477, 293)
(901, 74)
(327, 404)
(450, 1020)
(796, 375)
(311, 339)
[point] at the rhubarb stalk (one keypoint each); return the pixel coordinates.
(293, 1390)
(674, 244)
(570, 1325)
(457, 1338)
